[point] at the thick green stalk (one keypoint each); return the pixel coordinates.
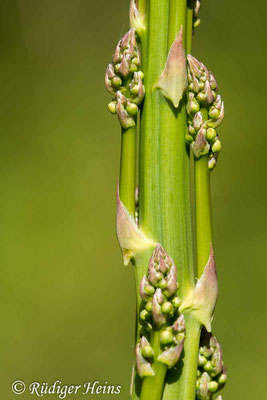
(128, 168)
(203, 212)
(150, 219)
(181, 381)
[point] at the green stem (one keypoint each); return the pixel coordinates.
(203, 212)
(152, 387)
(189, 25)
(128, 168)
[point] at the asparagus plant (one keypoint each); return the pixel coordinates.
(169, 100)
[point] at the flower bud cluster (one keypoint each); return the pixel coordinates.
(211, 374)
(205, 110)
(124, 80)
(159, 308)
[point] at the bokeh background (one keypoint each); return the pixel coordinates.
(66, 301)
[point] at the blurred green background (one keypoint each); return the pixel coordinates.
(66, 301)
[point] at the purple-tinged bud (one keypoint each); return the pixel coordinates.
(159, 318)
(192, 105)
(213, 82)
(195, 66)
(216, 122)
(146, 289)
(208, 93)
(110, 74)
(171, 356)
(217, 360)
(137, 89)
(125, 119)
(203, 391)
(172, 285)
(179, 325)
(200, 146)
(143, 367)
(124, 68)
(198, 121)
(197, 7)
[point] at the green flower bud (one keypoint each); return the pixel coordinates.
(134, 89)
(149, 289)
(163, 284)
(214, 113)
(208, 367)
(141, 74)
(176, 302)
(116, 82)
(144, 315)
(167, 307)
(132, 109)
(213, 386)
(211, 134)
(166, 338)
(148, 352)
(112, 107)
(133, 68)
(149, 306)
(217, 146)
(202, 360)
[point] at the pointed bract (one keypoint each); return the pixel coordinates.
(131, 238)
(173, 80)
(143, 367)
(171, 356)
(136, 20)
(203, 300)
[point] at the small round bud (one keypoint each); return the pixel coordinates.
(135, 61)
(141, 74)
(117, 67)
(134, 89)
(149, 306)
(198, 374)
(176, 302)
(148, 352)
(163, 284)
(116, 82)
(201, 97)
(112, 107)
(188, 139)
(149, 289)
(203, 78)
(222, 379)
(144, 315)
(213, 386)
(191, 130)
(217, 146)
(214, 113)
(211, 134)
(132, 109)
(202, 360)
(212, 163)
(166, 338)
(208, 367)
(197, 22)
(133, 68)
(201, 85)
(166, 307)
